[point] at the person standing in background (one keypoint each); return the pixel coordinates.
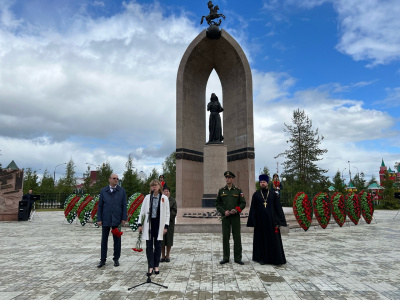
(112, 213)
(168, 240)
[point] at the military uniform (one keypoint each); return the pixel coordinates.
(229, 199)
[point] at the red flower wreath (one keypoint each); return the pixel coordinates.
(353, 207)
(322, 209)
(338, 208)
(302, 210)
(93, 214)
(367, 206)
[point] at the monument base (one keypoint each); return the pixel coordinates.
(208, 200)
(215, 164)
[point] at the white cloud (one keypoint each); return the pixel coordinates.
(369, 29)
(345, 124)
(95, 81)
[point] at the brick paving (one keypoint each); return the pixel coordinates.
(51, 259)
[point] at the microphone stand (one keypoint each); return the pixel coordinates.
(148, 281)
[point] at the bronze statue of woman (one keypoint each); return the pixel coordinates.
(214, 124)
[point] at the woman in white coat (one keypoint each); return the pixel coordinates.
(155, 209)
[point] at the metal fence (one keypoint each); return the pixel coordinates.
(51, 201)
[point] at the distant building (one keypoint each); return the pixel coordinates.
(80, 181)
(393, 175)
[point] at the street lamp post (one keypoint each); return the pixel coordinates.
(342, 173)
(54, 176)
(349, 171)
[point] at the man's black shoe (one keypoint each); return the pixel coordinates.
(116, 263)
(239, 262)
(222, 262)
(101, 263)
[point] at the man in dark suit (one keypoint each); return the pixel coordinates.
(112, 212)
(28, 198)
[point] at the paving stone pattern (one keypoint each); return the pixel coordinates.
(51, 259)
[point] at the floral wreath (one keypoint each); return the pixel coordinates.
(338, 208)
(134, 204)
(71, 207)
(302, 210)
(94, 207)
(367, 206)
(84, 209)
(322, 209)
(353, 207)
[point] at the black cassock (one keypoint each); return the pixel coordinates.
(267, 244)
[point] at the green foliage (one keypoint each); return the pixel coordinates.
(359, 182)
(389, 201)
(169, 172)
(30, 181)
(103, 175)
(88, 182)
(373, 180)
(303, 154)
(130, 180)
(146, 185)
(47, 183)
(67, 183)
(338, 183)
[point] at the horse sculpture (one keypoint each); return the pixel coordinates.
(213, 15)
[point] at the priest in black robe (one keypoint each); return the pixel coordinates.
(266, 216)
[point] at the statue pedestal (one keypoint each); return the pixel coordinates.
(214, 165)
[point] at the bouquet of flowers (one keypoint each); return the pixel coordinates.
(338, 208)
(353, 207)
(84, 209)
(302, 210)
(138, 246)
(95, 205)
(367, 206)
(322, 209)
(117, 231)
(71, 207)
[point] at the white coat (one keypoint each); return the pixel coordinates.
(164, 216)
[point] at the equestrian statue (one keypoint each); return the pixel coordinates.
(213, 15)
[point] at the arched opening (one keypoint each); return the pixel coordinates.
(213, 86)
(202, 62)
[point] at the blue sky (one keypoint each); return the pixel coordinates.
(95, 80)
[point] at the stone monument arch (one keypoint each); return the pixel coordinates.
(226, 57)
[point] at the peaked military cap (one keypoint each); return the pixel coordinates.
(229, 173)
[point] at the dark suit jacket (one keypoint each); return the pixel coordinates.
(112, 206)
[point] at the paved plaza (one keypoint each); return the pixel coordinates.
(51, 259)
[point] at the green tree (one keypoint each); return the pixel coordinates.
(146, 185)
(103, 175)
(67, 184)
(47, 183)
(373, 180)
(130, 180)
(303, 154)
(338, 183)
(169, 172)
(389, 201)
(30, 181)
(88, 182)
(359, 182)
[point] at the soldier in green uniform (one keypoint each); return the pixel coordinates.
(230, 202)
